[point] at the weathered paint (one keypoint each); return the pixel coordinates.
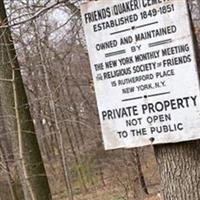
(158, 77)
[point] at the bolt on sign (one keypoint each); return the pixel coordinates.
(144, 71)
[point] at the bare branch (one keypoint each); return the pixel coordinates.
(42, 12)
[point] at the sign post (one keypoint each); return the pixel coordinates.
(144, 70)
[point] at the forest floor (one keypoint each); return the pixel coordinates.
(116, 189)
(113, 189)
(111, 193)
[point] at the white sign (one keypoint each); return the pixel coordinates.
(144, 70)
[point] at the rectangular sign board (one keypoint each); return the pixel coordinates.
(144, 71)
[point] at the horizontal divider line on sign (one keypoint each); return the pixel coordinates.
(146, 96)
(130, 99)
(133, 28)
(121, 31)
(160, 42)
(158, 94)
(115, 53)
(143, 25)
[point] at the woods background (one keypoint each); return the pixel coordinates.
(54, 64)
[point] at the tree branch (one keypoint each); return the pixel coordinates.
(40, 13)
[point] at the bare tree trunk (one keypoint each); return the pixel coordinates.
(14, 103)
(79, 170)
(54, 114)
(139, 185)
(100, 168)
(8, 174)
(140, 172)
(179, 164)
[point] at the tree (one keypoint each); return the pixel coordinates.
(15, 105)
(179, 164)
(62, 103)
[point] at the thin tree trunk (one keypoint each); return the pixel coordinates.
(100, 169)
(140, 173)
(8, 174)
(79, 170)
(14, 102)
(139, 185)
(54, 114)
